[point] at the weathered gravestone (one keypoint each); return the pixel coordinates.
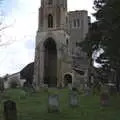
(104, 97)
(73, 99)
(53, 103)
(70, 86)
(87, 91)
(10, 112)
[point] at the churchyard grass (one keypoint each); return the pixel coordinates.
(34, 106)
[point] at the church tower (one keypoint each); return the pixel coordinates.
(52, 14)
(50, 39)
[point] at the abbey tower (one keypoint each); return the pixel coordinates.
(59, 31)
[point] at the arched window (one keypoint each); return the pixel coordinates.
(67, 41)
(74, 22)
(50, 21)
(78, 23)
(67, 79)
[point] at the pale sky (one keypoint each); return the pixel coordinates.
(22, 18)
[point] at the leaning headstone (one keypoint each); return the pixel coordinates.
(53, 103)
(10, 112)
(73, 99)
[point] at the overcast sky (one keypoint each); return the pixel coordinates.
(21, 17)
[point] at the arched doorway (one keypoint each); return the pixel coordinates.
(68, 79)
(50, 21)
(50, 63)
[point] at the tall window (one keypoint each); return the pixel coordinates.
(50, 2)
(66, 20)
(67, 41)
(78, 23)
(74, 23)
(50, 21)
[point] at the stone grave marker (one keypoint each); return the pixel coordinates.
(53, 103)
(104, 96)
(104, 99)
(70, 86)
(73, 99)
(87, 91)
(10, 112)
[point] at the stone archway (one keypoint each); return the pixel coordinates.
(67, 79)
(50, 63)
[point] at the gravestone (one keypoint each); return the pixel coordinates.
(104, 96)
(70, 86)
(87, 91)
(10, 112)
(104, 99)
(53, 103)
(73, 99)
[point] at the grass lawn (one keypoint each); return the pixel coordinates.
(34, 107)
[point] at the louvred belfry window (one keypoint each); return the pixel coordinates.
(50, 21)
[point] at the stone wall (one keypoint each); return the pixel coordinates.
(14, 78)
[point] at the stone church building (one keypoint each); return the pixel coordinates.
(58, 59)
